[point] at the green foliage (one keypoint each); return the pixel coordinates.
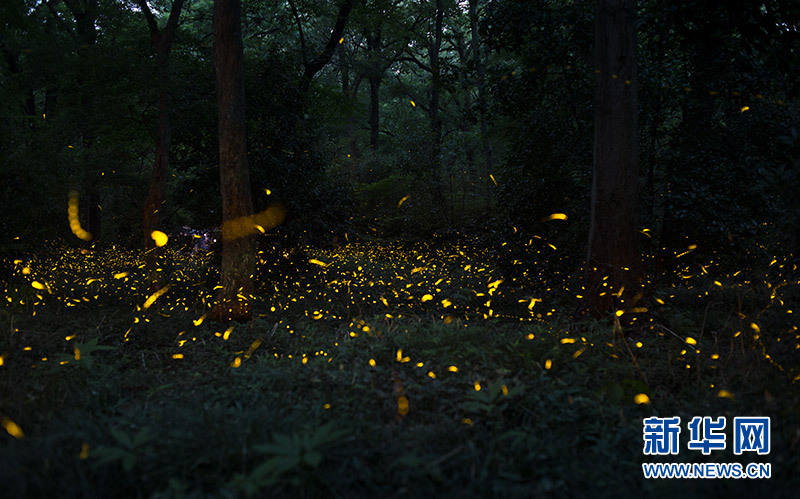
(127, 450)
(292, 459)
(83, 353)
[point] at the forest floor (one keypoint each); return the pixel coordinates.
(382, 370)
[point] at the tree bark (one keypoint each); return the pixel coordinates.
(234, 300)
(480, 67)
(375, 77)
(613, 260)
(86, 14)
(313, 66)
(434, 46)
(350, 124)
(151, 216)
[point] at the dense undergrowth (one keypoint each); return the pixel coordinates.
(378, 369)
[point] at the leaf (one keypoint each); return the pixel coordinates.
(122, 437)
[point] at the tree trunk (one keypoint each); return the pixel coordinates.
(86, 14)
(480, 66)
(374, 111)
(434, 46)
(151, 217)
(350, 124)
(375, 77)
(234, 300)
(613, 260)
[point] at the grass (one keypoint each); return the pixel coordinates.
(351, 382)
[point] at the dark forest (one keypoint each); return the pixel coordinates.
(400, 248)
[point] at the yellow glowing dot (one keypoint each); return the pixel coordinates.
(744, 108)
(477, 386)
(555, 216)
(618, 313)
(639, 344)
(714, 356)
(466, 421)
(177, 356)
(236, 362)
(326, 406)
(77, 353)
(159, 237)
(341, 40)
(548, 364)
(725, 394)
(372, 362)
(413, 104)
(453, 369)
(305, 360)
(529, 336)
(427, 297)
(691, 340)
(641, 398)
(402, 405)
(504, 389)
(755, 327)
(12, 428)
(431, 375)
(402, 200)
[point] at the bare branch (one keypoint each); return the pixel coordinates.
(299, 32)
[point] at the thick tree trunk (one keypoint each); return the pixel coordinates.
(234, 300)
(151, 216)
(613, 260)
(151, 219)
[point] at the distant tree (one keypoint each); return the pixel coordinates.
(613, 260)
(162, 43)
(234, 300)
(479, 60)
(86, 14)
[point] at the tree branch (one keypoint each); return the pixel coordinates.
(422, 65)
(299, 32)
(324, 57)
(148, 15)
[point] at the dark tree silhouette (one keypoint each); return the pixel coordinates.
(612, 261)
(151, 218)
(234, 300)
